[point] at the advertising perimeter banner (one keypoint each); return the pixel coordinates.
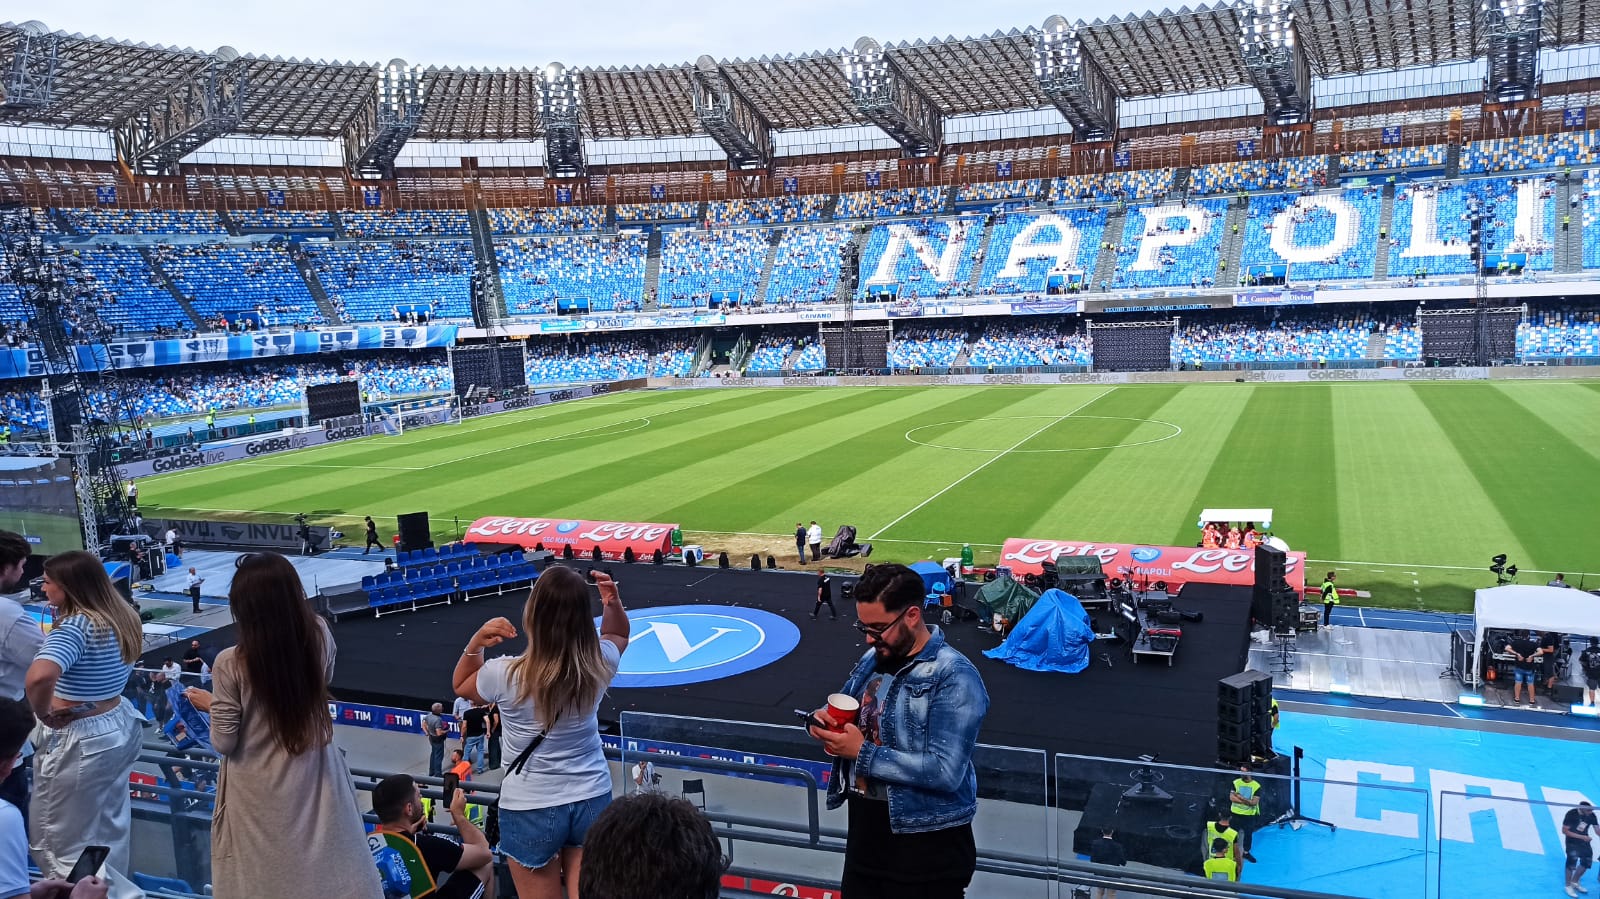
(613, 537)
(1176, 565)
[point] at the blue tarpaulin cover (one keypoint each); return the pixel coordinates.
(1053, 636)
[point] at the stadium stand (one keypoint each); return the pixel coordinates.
(890, 203)
(1590, 219)
(1314, 220)
(143, 221)
(128, 295)
(405, 223)
(1409, 253)
(1145, 184)
(1194, 229)
(565, 220)
(281, 220)
(1012, 345)
(380, 281)
(1317, 338)
(537, 273)
(995, 191)
(1257, 174)
(1530, 152)
(944, 270)
(702, 268)
(808, 358)
(767, 210)
(673, 358)
(1430, 156)
(228, 279)
(1032, 273)
(600, 359)
(1402, 343)
(769, 355)
(924, 347)
(657, 212)
(22, 409)
(807, 268)
(1559, 334)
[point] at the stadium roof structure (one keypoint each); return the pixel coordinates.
(100, 82)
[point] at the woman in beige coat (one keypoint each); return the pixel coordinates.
(286, 823)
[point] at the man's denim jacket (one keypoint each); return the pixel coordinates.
(928, 727)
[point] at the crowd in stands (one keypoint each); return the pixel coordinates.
(589, 359)
(911, 275)
(712, 268)
(376, 281)
(1034, 272)
(1589, 218)
(894, 202)
(1010, 345)
(1542, 151)
(767, 210)
(1192, 262)
(771, 351)
(657, 212)
(281, 219)
(1454, 202)
(561, 220)
(405, 223)
(1430, 156)
(917, 347)
(809, 357)
(1560, 333)
(807, 266)
(538, 273)
(1115, 187)
(1313, 224)
(1293, 173)
(125, 292)
(110, 220)
(224, 279)
(1246, 338)
(996, 191)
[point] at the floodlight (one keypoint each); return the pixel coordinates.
(1498, 559)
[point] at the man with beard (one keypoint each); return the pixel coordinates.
(20, 639)
(405, 853)
(922, 703)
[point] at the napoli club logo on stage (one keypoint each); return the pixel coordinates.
(1145, 554)
(675, 645)
(567, 527)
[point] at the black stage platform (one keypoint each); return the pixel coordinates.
(405, 659)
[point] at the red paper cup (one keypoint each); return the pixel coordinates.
(842, 709)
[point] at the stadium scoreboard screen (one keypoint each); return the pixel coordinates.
(39, 500)
(495, 368)
(337, 400)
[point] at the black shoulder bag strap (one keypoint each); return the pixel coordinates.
(522, 758)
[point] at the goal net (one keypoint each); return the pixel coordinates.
(402, 417)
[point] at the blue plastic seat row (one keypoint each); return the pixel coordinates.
(436, 554)
(463, 580)
(462, 565)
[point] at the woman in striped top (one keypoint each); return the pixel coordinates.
(89, 735)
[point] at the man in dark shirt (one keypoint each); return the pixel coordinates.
(1577, 828)
(474, 735)
(824, 596)
(466, 868)
(1526, 667)
(193, 661)
(1107, 851)
(800, 541)
(1589, 660)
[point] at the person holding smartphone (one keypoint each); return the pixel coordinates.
(16, 722)
(90, 734)
(557, 781)
(459, 870)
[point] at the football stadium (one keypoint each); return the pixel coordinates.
(1196, 413)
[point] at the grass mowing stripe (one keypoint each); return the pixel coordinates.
(1279, 455)
(1569, 409)
(792, 485)
(1006, 496)
(1541, 481)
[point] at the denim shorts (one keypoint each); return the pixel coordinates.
(1524, 676)
(533, 837)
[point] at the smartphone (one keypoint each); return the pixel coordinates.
(811, 720)
(79, 709)
(452, 783)
(88, 863)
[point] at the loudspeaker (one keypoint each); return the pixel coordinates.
(1271, 566)
(772, 564)
(595, 556)
(567, 553)
(1244, 722)
(541, 559)
(657, 558)
(414, 532)
(627, 555)
(722, 560)
(755, 563)
(1285, 610)
(66, 413)
(1233, 753)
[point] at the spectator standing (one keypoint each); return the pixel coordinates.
(133, 495)
(549, 697)
(474, 731)
(1107, 851)
(174, 545)
(20, 639)
(1577, 830)
(269, 722)
(455, 870)
(193, 661)
(814, 536)
(1560, 581)
(1245, 805)
(1330, 598)
(649, 845)
(89, 735)
(1589, 661)
(494, 736)
(171, 669)
(16, 721)
(372, 537)
(800, 541)
(437, 732)
(824, 596)
(459, 707)
(194, 581)
(905, 768)
(1526, 648)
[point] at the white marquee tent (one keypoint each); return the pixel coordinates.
(1525, 607)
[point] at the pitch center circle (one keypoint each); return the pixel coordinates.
(1172, 431)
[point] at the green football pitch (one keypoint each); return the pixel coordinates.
(1406, 489)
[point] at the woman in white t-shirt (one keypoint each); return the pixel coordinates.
(557, 781)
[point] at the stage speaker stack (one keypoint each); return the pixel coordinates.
(414, 532)
(1244, 717)
(1272, 601)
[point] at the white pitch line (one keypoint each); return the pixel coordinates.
(550, 438)
(996, 458)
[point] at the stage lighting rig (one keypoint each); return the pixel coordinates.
(560, 103)
(1073, 82)
(893, 102)
(1503, 573)
(1274, 62)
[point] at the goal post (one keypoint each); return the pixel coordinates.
(399, 418)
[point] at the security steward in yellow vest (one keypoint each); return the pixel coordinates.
(1330, 598)
(1221, 866)
(1245, 804)
(1221, 829)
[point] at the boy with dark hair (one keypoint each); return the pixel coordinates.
(404, 852)
(20, 639)
(649, 845)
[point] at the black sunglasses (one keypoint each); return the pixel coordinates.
(879, 630)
